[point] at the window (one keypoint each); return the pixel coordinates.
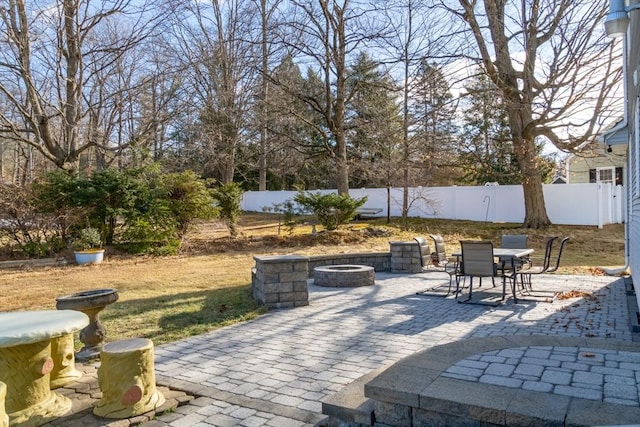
(606, 175)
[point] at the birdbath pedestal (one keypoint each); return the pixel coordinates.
(90, 303)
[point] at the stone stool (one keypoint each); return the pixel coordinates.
(64, 361)
(127, 379)
(4, 418)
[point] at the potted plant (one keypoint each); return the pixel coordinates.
(88, 246)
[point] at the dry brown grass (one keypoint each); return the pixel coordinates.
(207, 286)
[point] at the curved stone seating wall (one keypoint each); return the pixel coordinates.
(380, 261)
(421, 389)
(280, 281)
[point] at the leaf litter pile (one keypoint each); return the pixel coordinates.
(573, 294)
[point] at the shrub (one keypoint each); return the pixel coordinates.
(331, 209)
(42, 248)
(289, 212)
(187, 198)
(151, 208)
(228, 197)
(88, 238)
(22, 227)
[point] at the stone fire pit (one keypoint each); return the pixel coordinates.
(349, 276)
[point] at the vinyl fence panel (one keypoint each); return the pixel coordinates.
(569, 204)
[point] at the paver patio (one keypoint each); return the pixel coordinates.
(276, 370)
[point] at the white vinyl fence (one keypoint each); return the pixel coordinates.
(570, 204)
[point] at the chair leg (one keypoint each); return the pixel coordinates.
(470, 291)
(458, 288)
(514, 282)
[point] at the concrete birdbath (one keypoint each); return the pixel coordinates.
(90, 303)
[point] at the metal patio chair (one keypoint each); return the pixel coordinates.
(553, 269)
(436, 261)
(478, 261)
(526, 274)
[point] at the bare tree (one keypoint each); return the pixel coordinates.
(327, 33)
(266, 9)
(552, 64)
(49, 55)
(219, 63)
(414, 37)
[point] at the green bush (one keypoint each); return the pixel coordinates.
(331, 209)
(41, 249)
(143, 206)
(88, 238)
(289, 211)
(228, 197)
(187, 198)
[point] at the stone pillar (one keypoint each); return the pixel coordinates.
(127, 379)
(405, 257)
(64, 362)
(4, 418)
(281, 281)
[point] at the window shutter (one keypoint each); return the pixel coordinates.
(592, 175)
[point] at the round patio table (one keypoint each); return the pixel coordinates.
(25, 363)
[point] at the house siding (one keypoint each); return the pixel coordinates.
(633, 92)
(579, 166)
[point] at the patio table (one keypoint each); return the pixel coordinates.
(26, 363)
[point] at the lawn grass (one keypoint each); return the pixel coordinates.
(208, 286)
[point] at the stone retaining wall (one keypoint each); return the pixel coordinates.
(380, 261)
(405, 257)
(281, 281)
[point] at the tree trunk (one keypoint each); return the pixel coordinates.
(342, 166)
(536, 211)
(524, 149)
(535, 208)
(262, 167)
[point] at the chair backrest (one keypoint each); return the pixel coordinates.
(439, 256)
(423, 249)
(514, 241)
(477, 258)
(555, 267)
(547, 252)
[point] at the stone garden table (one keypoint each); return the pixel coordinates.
(26, 363)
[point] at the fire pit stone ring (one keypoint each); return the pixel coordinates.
(348, 276)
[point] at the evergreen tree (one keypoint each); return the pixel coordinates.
(434, 112)
(374, 124)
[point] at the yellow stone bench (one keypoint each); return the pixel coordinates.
(4, 418)
(127, 379)
(26, 363)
